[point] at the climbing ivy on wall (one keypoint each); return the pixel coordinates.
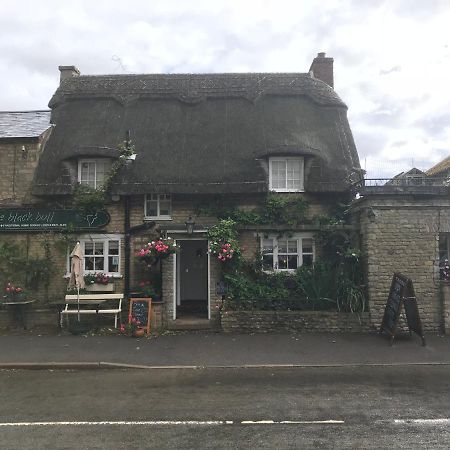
(19, 266)
(274, 210)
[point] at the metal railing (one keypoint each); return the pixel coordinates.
(408, 181)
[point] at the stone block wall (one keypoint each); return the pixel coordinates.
(18, 161)
(401, 234)
(293, 321)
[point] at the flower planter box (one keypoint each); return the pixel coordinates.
(97, 287)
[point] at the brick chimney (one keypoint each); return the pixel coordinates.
(322, 69)
(68, 72)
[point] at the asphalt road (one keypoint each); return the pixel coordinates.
(349, 407)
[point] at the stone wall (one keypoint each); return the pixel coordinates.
(401, 234)
(293, 321)
(18, 161)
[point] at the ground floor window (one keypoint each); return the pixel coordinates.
(287, 252)
(101, 254)
(444, 253)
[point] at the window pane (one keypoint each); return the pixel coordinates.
(307, 260)
(89, 263)
(113, 264)
(100, 173)
(98, 248)
(292, 246)
(99, 264)
(152, 208)
(88, 248)
(267, 246)
(443, 246)
(113, 247)
(267, 261)
(87, 175)
(293, 174)
(282, 246)
(278, 174)
(292, 262)
(164, 208)
(282, 262)
(307, 245)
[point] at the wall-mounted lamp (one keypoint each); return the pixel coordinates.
(24, 152)
(190, 225)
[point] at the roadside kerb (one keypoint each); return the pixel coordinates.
(111, 365)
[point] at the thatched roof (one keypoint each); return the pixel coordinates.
(202, 133)
(440, 168)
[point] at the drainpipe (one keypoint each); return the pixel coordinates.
(127, 245)
(130, 231)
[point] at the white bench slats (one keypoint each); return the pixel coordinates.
(85, 307)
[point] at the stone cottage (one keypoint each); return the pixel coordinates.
(200, 139)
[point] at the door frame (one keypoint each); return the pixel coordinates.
(176, 277)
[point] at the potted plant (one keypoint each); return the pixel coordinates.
(98, 282)
(132, 328)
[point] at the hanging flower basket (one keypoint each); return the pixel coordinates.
(157, 250)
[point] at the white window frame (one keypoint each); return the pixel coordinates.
(286, 160)
(99, 239)
(295, 237)
(95, 161)
(158, 216)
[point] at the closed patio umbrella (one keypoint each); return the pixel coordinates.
(77, 272)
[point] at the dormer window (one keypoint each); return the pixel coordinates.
(286, 174)
(92, 172)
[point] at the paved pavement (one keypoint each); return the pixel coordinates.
(197, 349)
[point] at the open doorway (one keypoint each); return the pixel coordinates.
(192, 276)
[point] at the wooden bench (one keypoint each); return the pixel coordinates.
(92, 304)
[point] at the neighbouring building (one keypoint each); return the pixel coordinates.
(405, 227)
(22, 137)
(200, 139)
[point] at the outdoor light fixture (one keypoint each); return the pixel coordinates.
(24, 152)
(190, 225)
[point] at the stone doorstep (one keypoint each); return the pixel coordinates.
(192, 323)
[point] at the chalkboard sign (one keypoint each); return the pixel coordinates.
(141, 309)
(401, 293)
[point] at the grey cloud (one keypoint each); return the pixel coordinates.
(434, 125)
(370, 143)
(391, 70)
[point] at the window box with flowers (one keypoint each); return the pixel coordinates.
(98, 282)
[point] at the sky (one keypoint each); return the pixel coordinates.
(391, 58)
